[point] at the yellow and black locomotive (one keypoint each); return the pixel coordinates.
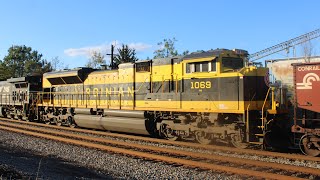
(207, 96)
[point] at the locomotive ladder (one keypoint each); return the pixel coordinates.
(265, 112)
(34, 103)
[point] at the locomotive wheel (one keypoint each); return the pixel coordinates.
(308, 147)
(237, 141)
(172, 138)
(168, 133)
(57, 121)
(202, 138)
(71, 122)
(239, 144)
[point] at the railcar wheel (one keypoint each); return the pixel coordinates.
(203, 138)
(308, 147)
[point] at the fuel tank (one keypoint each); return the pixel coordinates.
(122, 113)
(83, 111)
(112, 123)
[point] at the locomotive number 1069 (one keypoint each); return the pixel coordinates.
(201, 85)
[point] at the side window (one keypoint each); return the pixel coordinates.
(143, 66)
(205, 66)
(213, 66)
(190, 68)
(198, 67)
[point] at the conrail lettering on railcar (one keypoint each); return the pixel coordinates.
(309, 68)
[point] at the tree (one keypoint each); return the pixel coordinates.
(22, 61)
(57, 64)
(4, 72)
(96, 60)
(184, 53)
(167, 49)
(307, 50)
(125, 54)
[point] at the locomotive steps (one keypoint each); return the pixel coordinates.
(190, 159)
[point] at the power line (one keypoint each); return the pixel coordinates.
(284, 45)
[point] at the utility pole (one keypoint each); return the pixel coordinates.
(111, 58)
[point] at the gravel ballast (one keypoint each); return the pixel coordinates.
(302, 163)
(35, 157)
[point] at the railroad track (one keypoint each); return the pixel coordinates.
(245, 168)
(224, 149)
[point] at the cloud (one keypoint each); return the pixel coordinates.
(104, 48)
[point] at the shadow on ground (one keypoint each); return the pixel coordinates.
(22, 164)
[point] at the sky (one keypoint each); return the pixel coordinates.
(72, 29)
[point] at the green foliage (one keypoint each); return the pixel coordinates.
(185, 53)
(22, 61)
(96, 60)
(4, 72)
(125, 54)
(167, 49)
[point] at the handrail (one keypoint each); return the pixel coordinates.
(262, 110)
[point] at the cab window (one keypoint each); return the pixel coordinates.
(230, 63)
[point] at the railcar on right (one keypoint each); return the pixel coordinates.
(306, 117)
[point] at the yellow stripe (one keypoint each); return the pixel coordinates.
(184, 106)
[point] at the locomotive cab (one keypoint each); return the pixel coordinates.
(216, 61)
